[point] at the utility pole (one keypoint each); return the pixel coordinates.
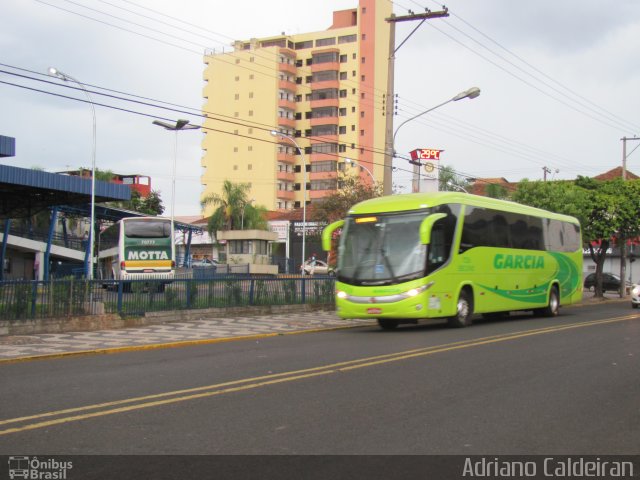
(545, 170)
(389, 153)
(624, 154)
(623, 241)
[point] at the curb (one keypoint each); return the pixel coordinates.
(160, 346)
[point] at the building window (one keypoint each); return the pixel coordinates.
(251, 59)
(362, 133)
(235, 149)
(250, 149)
(348, 38)
(343, 130)
(250, 94)
(343, 75)
(323, 42)
(362, 78)
(302, 45)
(327, 57)
(342, 148)
(363, 60)
(250, 131)
(364, 36)
(236, 114)
(353, 109)
(362, 95)
(353, 128)
(237, 60)
(249, 167)
(235, 167)
(342, 112)
(251, 111)
(251, 77)
(343, 94)
(354, 56)
(235, 132)
(343, 59)
(237, 78)
(237, 96)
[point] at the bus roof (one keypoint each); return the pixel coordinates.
(417, 201)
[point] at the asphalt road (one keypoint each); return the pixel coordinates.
(569, 385)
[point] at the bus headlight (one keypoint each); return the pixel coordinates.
(340, 294)
(417, 291)
(636, 291)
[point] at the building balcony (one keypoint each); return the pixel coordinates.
(286, 194)
(323, 67)
(326, 84)
(317, 194)
(287, 158)
(329, 102)
(287, 85)
(289, 104)
(287, 176)
(322, 157)
(323, 175)
(288, 68)
(325, 138)
(286, 122)
(324, 121)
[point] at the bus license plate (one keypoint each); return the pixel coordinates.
(148, 270)
(374, 311)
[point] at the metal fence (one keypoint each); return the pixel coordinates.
(22, 300)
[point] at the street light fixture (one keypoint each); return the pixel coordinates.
(275, 133)
(355, 163)
(54, 72)
(470, 93)
(179, 125)
(243, 208)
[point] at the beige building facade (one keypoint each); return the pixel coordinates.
(325, 90)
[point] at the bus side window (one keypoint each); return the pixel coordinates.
(442, 236)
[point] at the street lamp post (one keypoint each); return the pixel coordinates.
(355, 163)
(179, 125)
(243, 208)
(63, 76)
(304, 190)
(471, 93)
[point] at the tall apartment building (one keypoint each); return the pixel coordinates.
(324, 89)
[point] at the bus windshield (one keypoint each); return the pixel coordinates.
(147, 229)
(382, 249)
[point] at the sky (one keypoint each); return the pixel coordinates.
(559, 83)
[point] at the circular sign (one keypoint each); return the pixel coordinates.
(429, 167)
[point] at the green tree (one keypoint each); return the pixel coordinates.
(231, 205)
(351, 191)
(606, 210)
(450, 181)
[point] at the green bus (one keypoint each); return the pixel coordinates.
(137, 248)
(402, 258)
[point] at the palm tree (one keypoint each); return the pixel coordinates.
(230, 206)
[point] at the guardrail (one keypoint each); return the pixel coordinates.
(24, 300)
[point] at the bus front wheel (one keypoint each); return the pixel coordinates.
(387, 324)
(464, 310)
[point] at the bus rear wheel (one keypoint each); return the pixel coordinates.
(464, 311)
(387, 323)
(553, 307)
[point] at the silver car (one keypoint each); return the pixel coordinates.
(635, 296)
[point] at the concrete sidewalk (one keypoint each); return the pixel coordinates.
(175, 334)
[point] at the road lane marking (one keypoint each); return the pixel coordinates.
(155, 400)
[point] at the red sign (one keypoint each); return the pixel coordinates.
(425, 154)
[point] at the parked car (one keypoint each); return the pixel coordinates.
(610, 282)
(635, 296)
(204, 263)
(317, 267)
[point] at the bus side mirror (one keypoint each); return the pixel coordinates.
(327, 234)
(427, 225)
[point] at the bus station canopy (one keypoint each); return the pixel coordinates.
(25, 192)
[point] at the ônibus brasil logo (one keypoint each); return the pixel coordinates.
(35, 468)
